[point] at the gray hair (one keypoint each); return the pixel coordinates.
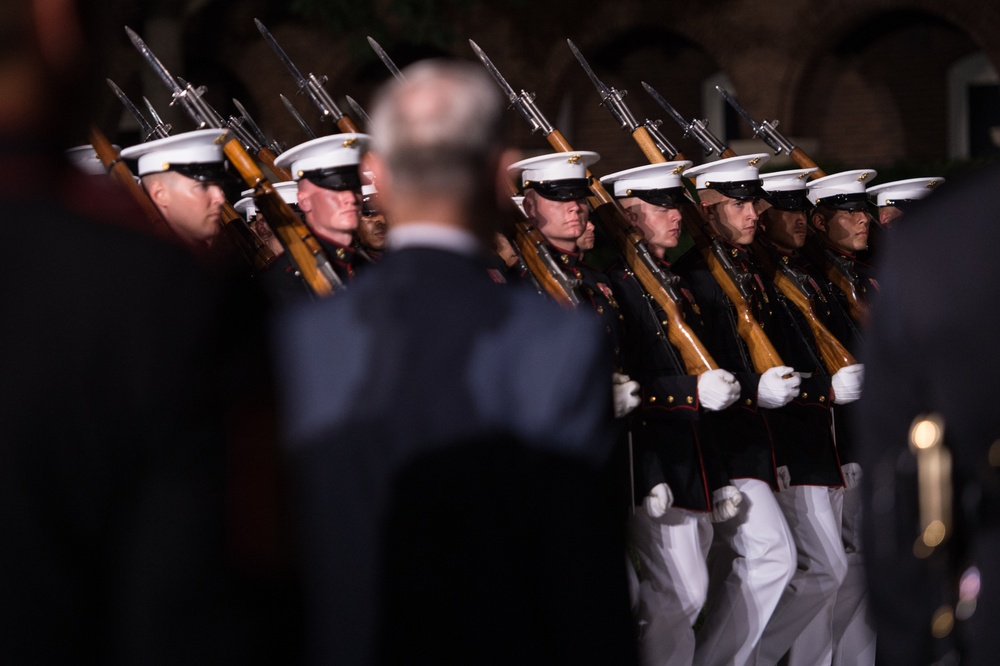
(439, 130)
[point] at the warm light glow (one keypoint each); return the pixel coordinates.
(934, 534)
(925, 434)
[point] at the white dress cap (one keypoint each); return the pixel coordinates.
(246, 206)
(558, 176)
(368, 188)
(86, 160)
(912, 189)
(188, 148)
(288, 189)
(660, 176)
(786, 190)
(786, 181)
(326, 152)
(842, 187)
(740, 169)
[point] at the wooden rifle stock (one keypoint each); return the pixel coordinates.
(806, 162)
(633, 249)
(278, 214)
(297, 226)
(245, 239)
(839, 277)
(120, 172)
(835, 356)
(538, 260)
(762, 352)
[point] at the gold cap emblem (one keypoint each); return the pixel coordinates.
(753, 162)
(864, 176)
(573, 159)
(349, 143)
(678, 169)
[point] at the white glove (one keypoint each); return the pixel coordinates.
(625, 394)
(775, 390)
(725, 503)
(847, 383)
(852, 474)
(658, 500)
(717, 389)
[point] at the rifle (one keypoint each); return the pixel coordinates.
(835, 355)
(791, 283)
(767, 132)
(279, 215)
(539, 262)
(733, 282)
(837, 273)
(657, 282)
(120, 172)
(314, 268)
(311, 85)
(297, 116)
(534, 257)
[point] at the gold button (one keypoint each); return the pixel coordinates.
(665, 322)
(621, 317)
(652, 398)
(749, 402)
(564, 258)
(670, 399)
(822, 398)
(804, 395)
(341, 253)
(690, 400)
(600, 309)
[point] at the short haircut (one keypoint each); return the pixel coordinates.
(440, 129)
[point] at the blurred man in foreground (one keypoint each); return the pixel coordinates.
(449, 435)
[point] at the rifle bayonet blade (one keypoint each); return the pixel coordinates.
(162, 129)
(601, 88)
(297, 116)
(153, 61)
(147, 128)
(276, 47)
(248, 119)
(360, 112)
(739, 108)
(497, 76)
(666, 106)
(386, 60)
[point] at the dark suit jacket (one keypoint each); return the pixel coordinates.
(113, 465)
(932, 347)
(449, 438)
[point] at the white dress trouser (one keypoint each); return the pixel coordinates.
(673, 582)
(802, 623)
(751, 560)
(853, 627)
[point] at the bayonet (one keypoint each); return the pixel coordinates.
(275, 147)
(523, 102)
(192, 99)
(386, 60)
(183, 94)
(147, 129)
(162, 129)
(359, 112)
(766, 131)
(311, 85)
(613, 100)
(297, 116)
(610, 98)
(696, 129)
